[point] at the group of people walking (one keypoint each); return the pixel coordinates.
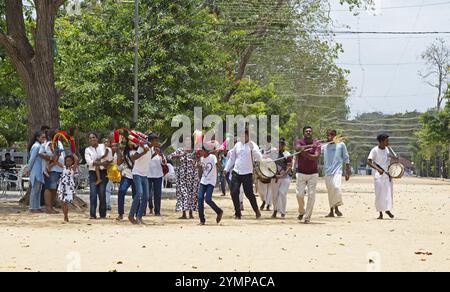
(142, 169)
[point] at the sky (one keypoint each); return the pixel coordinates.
(384, 68)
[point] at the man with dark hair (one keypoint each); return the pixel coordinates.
(9, 166)
(284, 168)
(244, 153)
(307, 172)
(380, 159)
(335, 155)
(266, 190)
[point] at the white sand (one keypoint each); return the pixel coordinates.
(30, 242)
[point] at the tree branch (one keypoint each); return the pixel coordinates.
(245, 58)
(5, 40)
(59, 3)
(15, 25)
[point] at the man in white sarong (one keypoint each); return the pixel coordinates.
(266, 190)
(284, 169)
(335, 155)
(380, 159)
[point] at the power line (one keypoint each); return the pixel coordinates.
(382, 64)
(402, 7)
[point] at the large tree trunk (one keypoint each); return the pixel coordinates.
(42, 104)
(34, 64)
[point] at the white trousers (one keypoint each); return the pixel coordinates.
(304, 180)
(266, 191)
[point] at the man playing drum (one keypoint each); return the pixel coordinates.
(380, 159)
(284, 168)
(267, 189)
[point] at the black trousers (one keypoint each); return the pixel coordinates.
(236, 182)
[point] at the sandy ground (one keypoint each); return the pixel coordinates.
(356, 242)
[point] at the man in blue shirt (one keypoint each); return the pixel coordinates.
(335, 155)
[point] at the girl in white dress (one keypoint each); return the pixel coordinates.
(66, 186)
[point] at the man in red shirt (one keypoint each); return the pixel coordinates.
(307, 172)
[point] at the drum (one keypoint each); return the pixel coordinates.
(265, 170)
(396, 170)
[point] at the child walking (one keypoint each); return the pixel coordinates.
(209, 164)
(66, 186)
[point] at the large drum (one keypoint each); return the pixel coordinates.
(265, 170)
(396, 170)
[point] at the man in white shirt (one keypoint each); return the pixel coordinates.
(241, 164)
(380, 159)
(229, 177)
(93, 155)
(155, 175)
(141, 160)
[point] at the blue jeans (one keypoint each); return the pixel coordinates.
(206, 192)
(140, 199)
(155, 189)
(109, 188)
(125, 183)
(35, 195)
(97, 191)
(51, 182)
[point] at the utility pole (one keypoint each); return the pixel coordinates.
(136, 63)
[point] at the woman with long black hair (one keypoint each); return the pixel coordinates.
(126, 165)
(35, 171)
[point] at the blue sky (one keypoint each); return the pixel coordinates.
(387, 79)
